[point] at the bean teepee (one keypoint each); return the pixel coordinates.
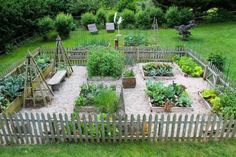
(60, 58)
(36, 89)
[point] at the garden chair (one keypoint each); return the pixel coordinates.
(93, 28)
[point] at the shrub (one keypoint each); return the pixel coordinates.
(63, 24)
(110, 16)
(189, 66)
(185, 15)
(129, 73)
(143, 20)
(88, 18)
(45, 24)
(218, 15)
(129, 18)
(158, 13)
(175, 16)
(105, 62)
(126, 4)
(217, 60)
(228, 102)
(101, 17)
(172, 16)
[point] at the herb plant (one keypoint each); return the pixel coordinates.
(129, 73)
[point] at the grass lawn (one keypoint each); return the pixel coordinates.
(206, 39)
(170, 149)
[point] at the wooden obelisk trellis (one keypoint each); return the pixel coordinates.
(154, 24)
(60, 58)
(36, 89)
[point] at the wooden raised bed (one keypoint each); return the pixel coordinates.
(16, 104)
(173, 109)
(156, 77)
(206, 103)
(98, 78)
(129, 82)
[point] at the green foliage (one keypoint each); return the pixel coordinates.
(218, 15)
(156, 69)
(172, 93)
(43, 61)
(45, 24)
(228, 102)
(105, 62)
(143, 20)
(209, 93)
(79, 7)
(129, 18)
(217, 60)
(126, 4)
(216, 104)
(189, 66)
(103, 97)
(63, 24)
(175, 16)
(172, 16)
(135, 40)
(156, 12)
(110, 16)
(129, 73)
(95, 43)
(106, 101)
(88, 18)
(101, 17)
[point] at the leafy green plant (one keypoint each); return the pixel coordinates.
(63, 24)
(143, 20)
(88, 18)
(135, 40)
(101, 17)
(103, 97)
(129, 73)
(105, 62)
(106, 101)
(216, 105)
(43, 61)
(156, 12)
(217, 60)
(172, 93)
(189, 66)
(209, 93)
(95, 43)
(156, 69)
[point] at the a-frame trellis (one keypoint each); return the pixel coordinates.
(36, 89)
(61, 60)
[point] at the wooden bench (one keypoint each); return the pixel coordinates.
(110, 27)
(57, 78)
(92, 28)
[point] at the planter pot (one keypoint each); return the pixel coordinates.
(129, 82)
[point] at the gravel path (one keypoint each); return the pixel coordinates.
(135, 100)
(63, 100)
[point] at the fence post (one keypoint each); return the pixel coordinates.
(205, 72)
(137, 54)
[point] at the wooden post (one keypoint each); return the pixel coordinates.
(116, 44)
(205, 72)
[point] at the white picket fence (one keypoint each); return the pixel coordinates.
(46, 128)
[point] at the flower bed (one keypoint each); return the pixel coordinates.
(157, 70)
(167, 98)
(97, 98)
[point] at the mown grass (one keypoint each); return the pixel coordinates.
(206, 39)
(170, 149)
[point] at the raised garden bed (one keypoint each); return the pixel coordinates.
(157, 71)
(16, 104)
(171, 98)
(99, 98)
(206, 102)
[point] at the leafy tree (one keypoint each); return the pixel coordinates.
(126, 4)
(63, 24)
(45, 24)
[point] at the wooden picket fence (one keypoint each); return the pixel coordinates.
(58, 128)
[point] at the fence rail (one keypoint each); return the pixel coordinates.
(46, 128)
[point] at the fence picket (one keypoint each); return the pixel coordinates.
(19, 130)
(230, 126)
(120, 128)
(63, 138)
(190, 126)
(4, 133)
(167, 127)
(179, 127)
(91, 128)
(9, 131)
(149, 127)
(161, 127)
(201, 127)
(144, 127)
(85, 128)
(40, 128)
(24, 129)
(103, 128)
(96, 127)
(56, 128)
(234, 130)
(138, 128)
(126, 128)
(132, 128)
(173, 122)
(114, 127)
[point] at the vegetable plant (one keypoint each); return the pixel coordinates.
(129, 73)
(43, 61)
(189, 66)
(173, 93)
(105, 62)
(135, 40)
(101, 96)
(156, 69)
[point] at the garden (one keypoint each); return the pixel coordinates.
(112, 71)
